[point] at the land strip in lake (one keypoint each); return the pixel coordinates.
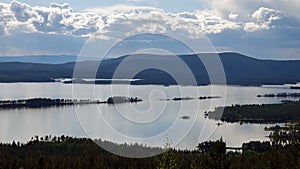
(295, 95)
(286, 111)
(47, 102)
(191, 98)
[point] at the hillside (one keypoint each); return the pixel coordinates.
(46, 59)
(239, 70)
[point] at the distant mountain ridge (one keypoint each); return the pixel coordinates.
(239, 70)
(47, 59)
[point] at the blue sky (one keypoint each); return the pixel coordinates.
(266, 29)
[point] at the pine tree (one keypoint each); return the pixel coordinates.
(167, 160)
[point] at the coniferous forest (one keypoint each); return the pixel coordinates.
(282, 151)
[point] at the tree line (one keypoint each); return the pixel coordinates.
(284, 112)
(68, 152)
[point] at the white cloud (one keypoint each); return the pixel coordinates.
(264, 18)
(266, 15)
(55, 19)
(255, 15)
(138, 19)
(60, 6)
(251, 27)
(110, 22)
(233, 16)
(233, 25)
(245, 8)
(124, 20)
(23, 12)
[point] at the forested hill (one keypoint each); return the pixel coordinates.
(239, 70)
(47, 59)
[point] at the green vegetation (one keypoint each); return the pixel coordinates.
(47, 102)
(286, 111)
(295, 95)
(239, 70)
(182, 98)
(168, 158)
(289, 134)
(209, 97)
(66, 152)
(122, 99)
(282, 151)
(190, 98)
(43, 102)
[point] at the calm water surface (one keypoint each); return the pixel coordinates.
(148, 122)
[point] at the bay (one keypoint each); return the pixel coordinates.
(149, 122)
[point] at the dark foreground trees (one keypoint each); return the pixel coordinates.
(66, 152)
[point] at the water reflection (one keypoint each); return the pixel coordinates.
(142, 120)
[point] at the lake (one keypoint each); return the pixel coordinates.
(149, 122)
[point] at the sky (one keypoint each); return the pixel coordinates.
(265, 29)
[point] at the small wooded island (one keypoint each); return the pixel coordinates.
(47, 102)
(295, 95)
(122, 99)
(191, 98)
(284, 112)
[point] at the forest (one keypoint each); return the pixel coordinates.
(284, 112)
(239, 70)
(295, 95)
(43, 102)
(282, 151)
(47, 102)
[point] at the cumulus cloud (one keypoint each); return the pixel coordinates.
(23, 12)
(132, 19)
(266, 15)
(256, 15)
(245, 8)
(230, 24)
(5, 18)
(124, 20)
(60, 6)
(264, 18)
(55, 19)
(110, 22)
(251, 27)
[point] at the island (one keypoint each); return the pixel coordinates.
(284, 112)
(182, 98)
(185, 117)
(280, 95)
(294, 87)
(47, 102)
(191, 98)
(123, 99)
(43, 102)
(209, 97)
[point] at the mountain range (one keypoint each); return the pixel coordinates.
(46, 59)
(239, 69)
